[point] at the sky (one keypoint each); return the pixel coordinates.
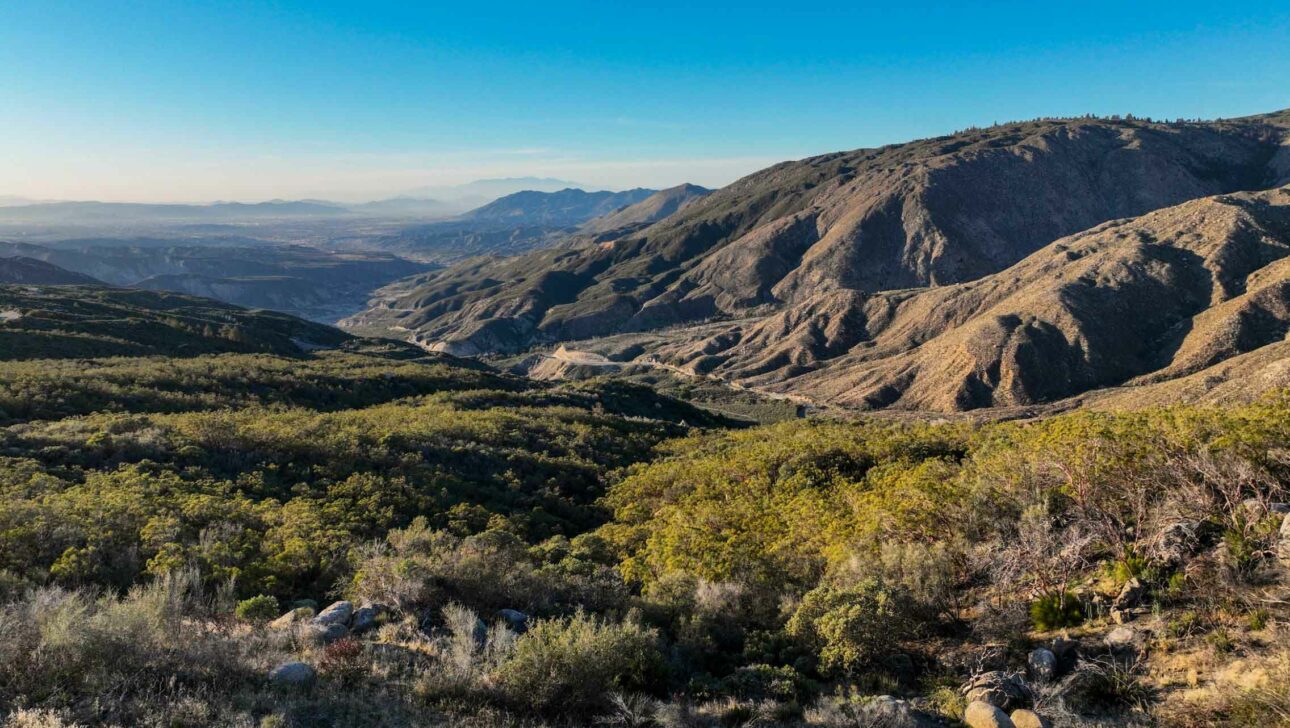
(196, 101)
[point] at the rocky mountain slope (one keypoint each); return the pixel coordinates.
(19, 269)
(908, 277)
(932, 212)
(657, 206)
(1138, 301)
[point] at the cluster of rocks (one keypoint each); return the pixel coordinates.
(341, 619)
(999, 699)
(338, 620)
(1002, 699)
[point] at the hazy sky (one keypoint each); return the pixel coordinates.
(193, 101)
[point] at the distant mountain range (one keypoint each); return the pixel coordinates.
(110, 212)
(981, 269)
(529, 220)
(480, 192)
(437, 202)
(567, 207)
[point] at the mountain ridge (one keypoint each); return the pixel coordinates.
(23, 269)
(928, 212)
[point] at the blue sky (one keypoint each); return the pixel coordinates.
(237, 100)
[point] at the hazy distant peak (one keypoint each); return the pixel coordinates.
(569, 206)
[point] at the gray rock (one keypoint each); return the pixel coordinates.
(365, 618)
(325, 634)
(516, 620)
(293, 674)
(1029, 719)
(292, 618)
(1130, 595)
(1176, 542)
(337, 613)
(984, 715)
(1000, 689)
(1042, 663)
(1279, 508)
(480, 632)
(1121, 637)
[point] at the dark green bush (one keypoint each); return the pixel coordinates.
(1056, 611)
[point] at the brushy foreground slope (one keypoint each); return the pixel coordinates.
(512, 553)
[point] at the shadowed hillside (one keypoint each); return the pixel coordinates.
(29, 270)
(94, 321)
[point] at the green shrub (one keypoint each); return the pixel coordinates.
(1221, 641)
(1185, 625)
(1133, 566)
(851, 627)
(570, 665)
(1257, 619)
(761, 682)
(257, 609)
(1056, 611)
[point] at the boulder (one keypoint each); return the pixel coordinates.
(516, 620)
(984, 715)
(480, 632)
(1130, 595)
(1121, 637)
(998, 688)
(337, 613)
(292, 618)
(1042, 663)
(325, 634)
(1176, 542)
(1029, 719)
(365, 618)
(293, 674)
